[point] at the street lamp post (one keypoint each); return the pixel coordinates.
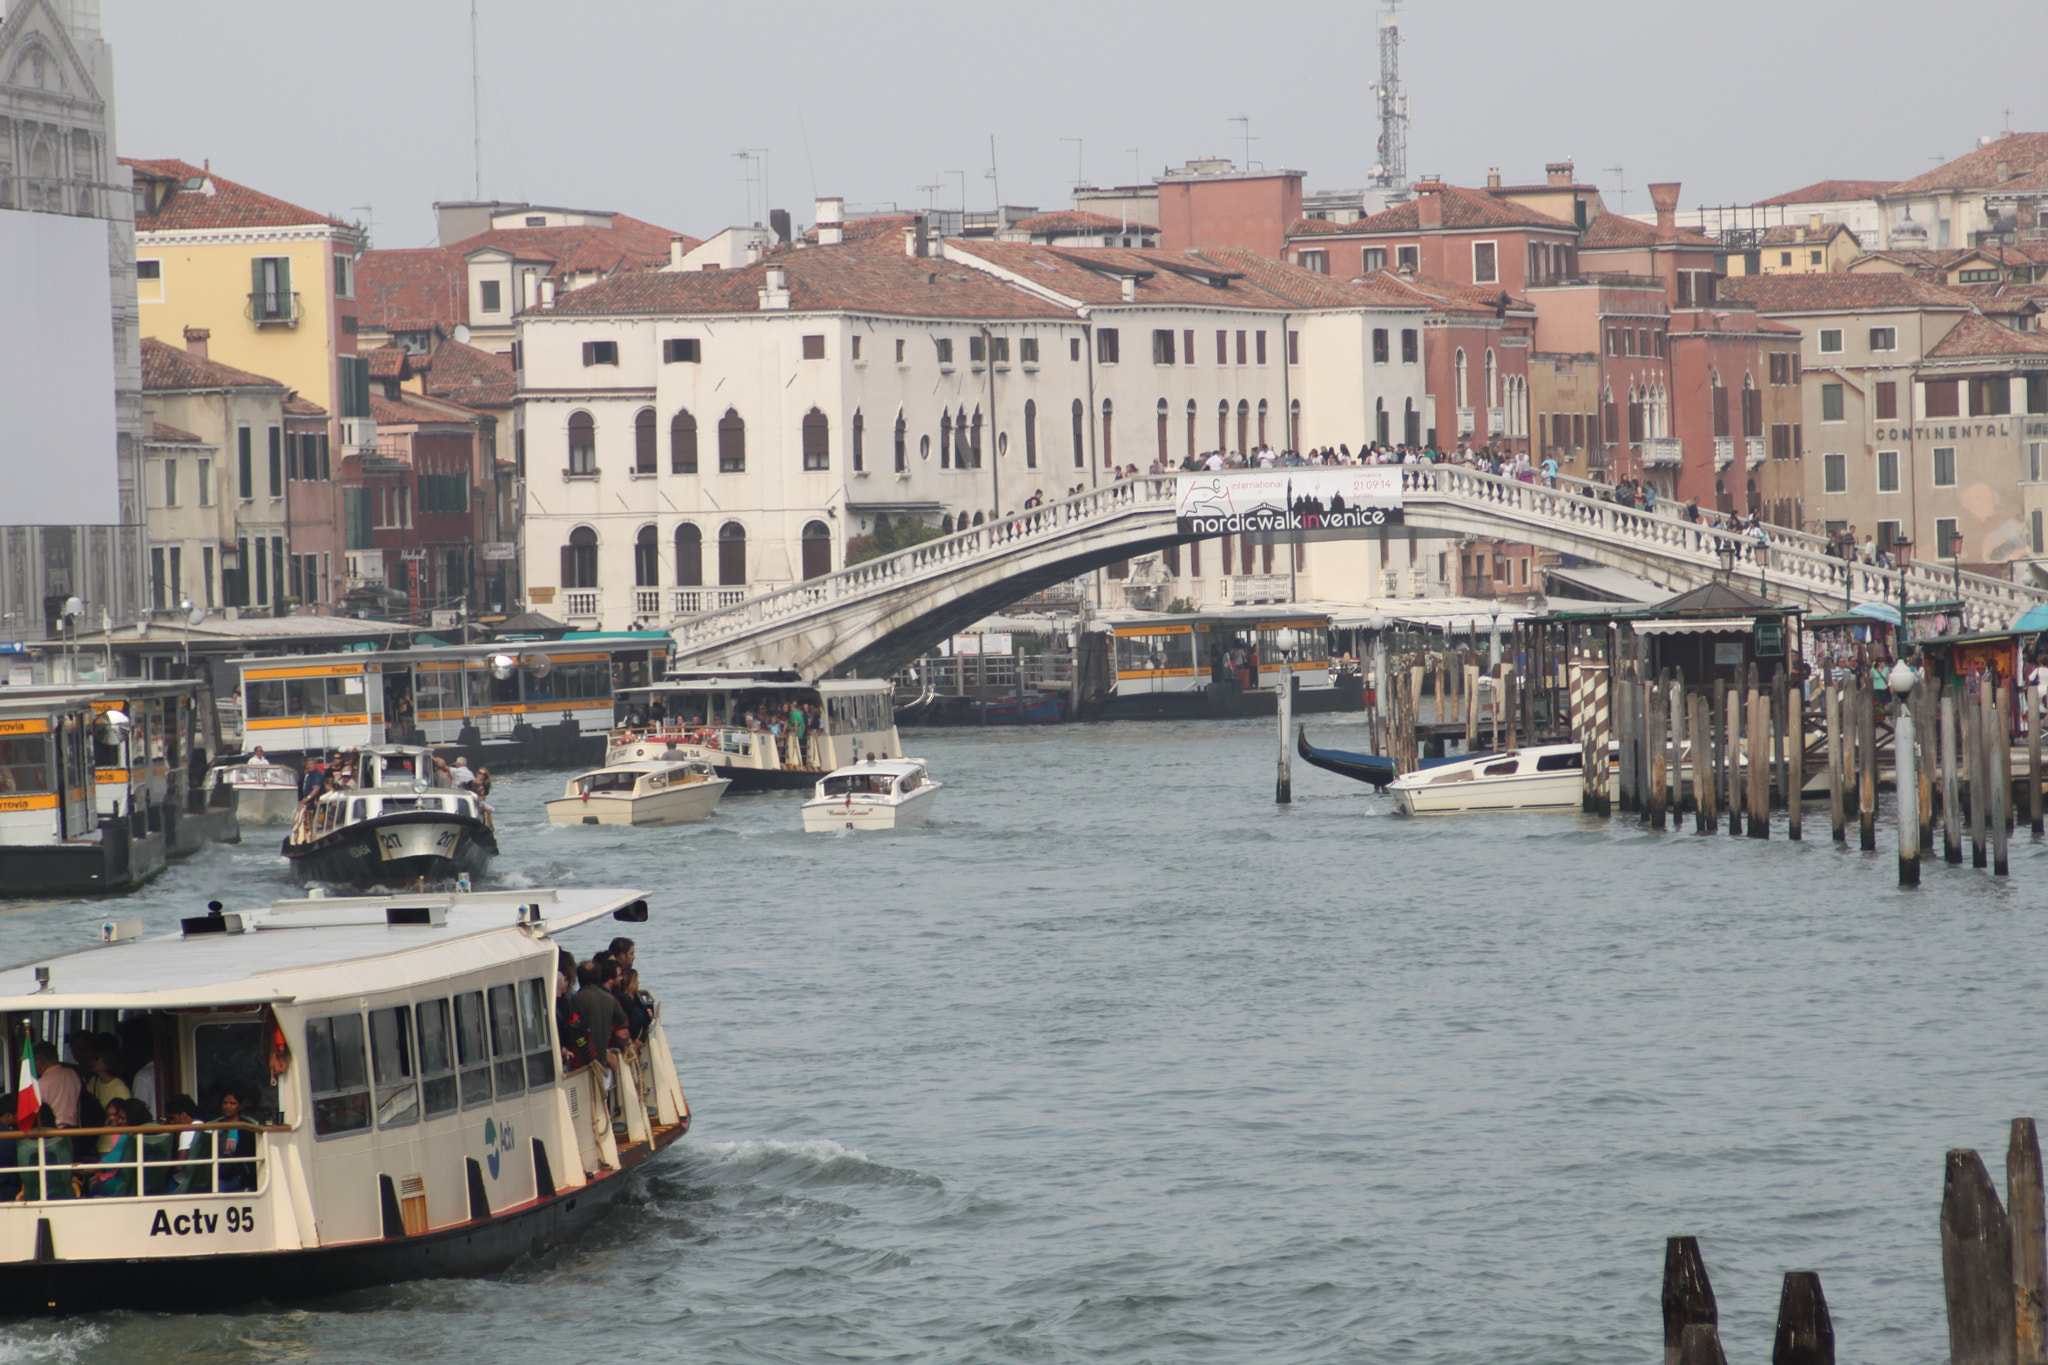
(1902, 680)
(1493, 648)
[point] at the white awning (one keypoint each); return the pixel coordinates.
(1719, 625)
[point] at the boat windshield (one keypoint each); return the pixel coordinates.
(858, 784)
(607, 782)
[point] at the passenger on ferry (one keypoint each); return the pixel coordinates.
(256, 755)
(105, 1085)
(442, 776)
(119, 1154)
(460, 772)
(182, 1110)
(58, 1085)
(569, 1026)
(138, 1059)
(602, 1014)
(315, 779)
(235, 1142)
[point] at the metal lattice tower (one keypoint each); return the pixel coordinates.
(1391, 172)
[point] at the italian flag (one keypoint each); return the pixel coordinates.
(30, 1100)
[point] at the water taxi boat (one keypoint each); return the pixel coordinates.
(744, 723)
(261, 793)
(404, 1109)
(651, 792)
(894, 793)
(386, 822)
(1542, 777)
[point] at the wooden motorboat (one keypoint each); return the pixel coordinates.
(1359, 767)
(654, 792)
(889, 793)
(1543, 777)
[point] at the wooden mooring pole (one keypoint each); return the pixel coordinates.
(1688, 1295)
(1831, 716)
(1703, 812)
(1973, 758)
(2025, 1216)
(1806, 1334)
(1951, 836)
(1998, 726)
(1908, 787)
(1759, 762)
(2033, 759)
(1795, 760)
(1976, 1265)
(1283, 785)
(1866, 764)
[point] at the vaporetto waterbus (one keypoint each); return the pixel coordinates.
(101, 783)
(510, 702)
(406, 1108)
(1222, 663)
(730, 719)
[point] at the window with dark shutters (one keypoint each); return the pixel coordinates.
(816, 443)
(689, 556)
(1106, 345)
(732, 443)
(644, 453)
(276, 462)
(1162, 346)
(682, 443)
(732, 555)
(1719, 397)
(1379, 345)
(1887, 395)
(1942, 398)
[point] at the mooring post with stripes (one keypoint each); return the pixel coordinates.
(1951, 834)
(1795, 759)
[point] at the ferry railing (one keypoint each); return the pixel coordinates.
(151, 1172)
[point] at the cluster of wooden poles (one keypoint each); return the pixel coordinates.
(1994, 1270)
(1451, 677)
(1743, 750)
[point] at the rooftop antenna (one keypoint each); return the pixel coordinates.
(1392, 171)
(749, 156)
(1620, 188)
(1246, 135)
(995, 179)
(476, 107)
(369, 221)
(931, 195)
(963, 199)
(1123, 200)
(1079, 147)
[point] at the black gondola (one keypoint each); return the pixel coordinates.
(1359, 767)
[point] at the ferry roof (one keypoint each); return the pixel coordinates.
(753, 682)
(314, 949)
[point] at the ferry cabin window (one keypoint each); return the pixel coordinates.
(1154, 653)
(535, 1032)
(437, 1058)
(233, 1054)
(339, 1079)
(25, 764)
(472, 1052)
(1307, 644)
(391, 1067)
(859, 713)
(273, 698)
(571, 682)
(511, 1063)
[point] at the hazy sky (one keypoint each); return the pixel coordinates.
(639, 105)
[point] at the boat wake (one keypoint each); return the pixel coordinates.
(30, 1344)
(819, 1161)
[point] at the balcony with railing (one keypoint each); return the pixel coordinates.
(273, 308)
(1756, 452)
(1466, 421)
(1663, 452)
(580, 602)
(1724, 452)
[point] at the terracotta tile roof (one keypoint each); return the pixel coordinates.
(1976, 335)
(1839, 291)
(1077, 221)
(389, 362)
(1300, 288)
(2002, 299)
(1463, 210)
(229, 205)
(628, 244)
(1215, 277)
(1308, 227)
(870, 276)
(412, 290)
(295, 406)
(474, 378)
(402, 412)
(1831, 192)
(165, 366)
(2019, 153)
(1914, 258)
(1448, 296)
(1611, 230)
(1796, 234)
(2032, 183)
(163, 433)
(882, 225)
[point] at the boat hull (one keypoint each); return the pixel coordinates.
(393, 849)
(1561, 790)
(833, 813)
(678, 805)
(200, 1283)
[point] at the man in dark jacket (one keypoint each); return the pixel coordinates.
(600, 1011)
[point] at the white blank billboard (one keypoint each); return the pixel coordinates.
(58, 445)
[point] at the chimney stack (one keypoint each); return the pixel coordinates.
(196, 339)
(675, 253)
(1558, 172)
(1665, 196)
(1429, 203)
(1493, 177)
(831, 220)
(774, 292)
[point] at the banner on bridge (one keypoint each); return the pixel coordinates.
(1347, 498)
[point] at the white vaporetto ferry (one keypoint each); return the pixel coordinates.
(406, 1112)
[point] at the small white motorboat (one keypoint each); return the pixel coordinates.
(886, 793)
(261, 793)
(651, 792)
(1544, 777)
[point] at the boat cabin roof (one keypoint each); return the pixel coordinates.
(897, 767)
(314, 949)
(754, 682)
(644, 765)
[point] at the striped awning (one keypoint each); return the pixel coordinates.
(1718, 625)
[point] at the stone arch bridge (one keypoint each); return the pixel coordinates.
(874, 617)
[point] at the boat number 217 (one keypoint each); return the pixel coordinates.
(392, 839)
